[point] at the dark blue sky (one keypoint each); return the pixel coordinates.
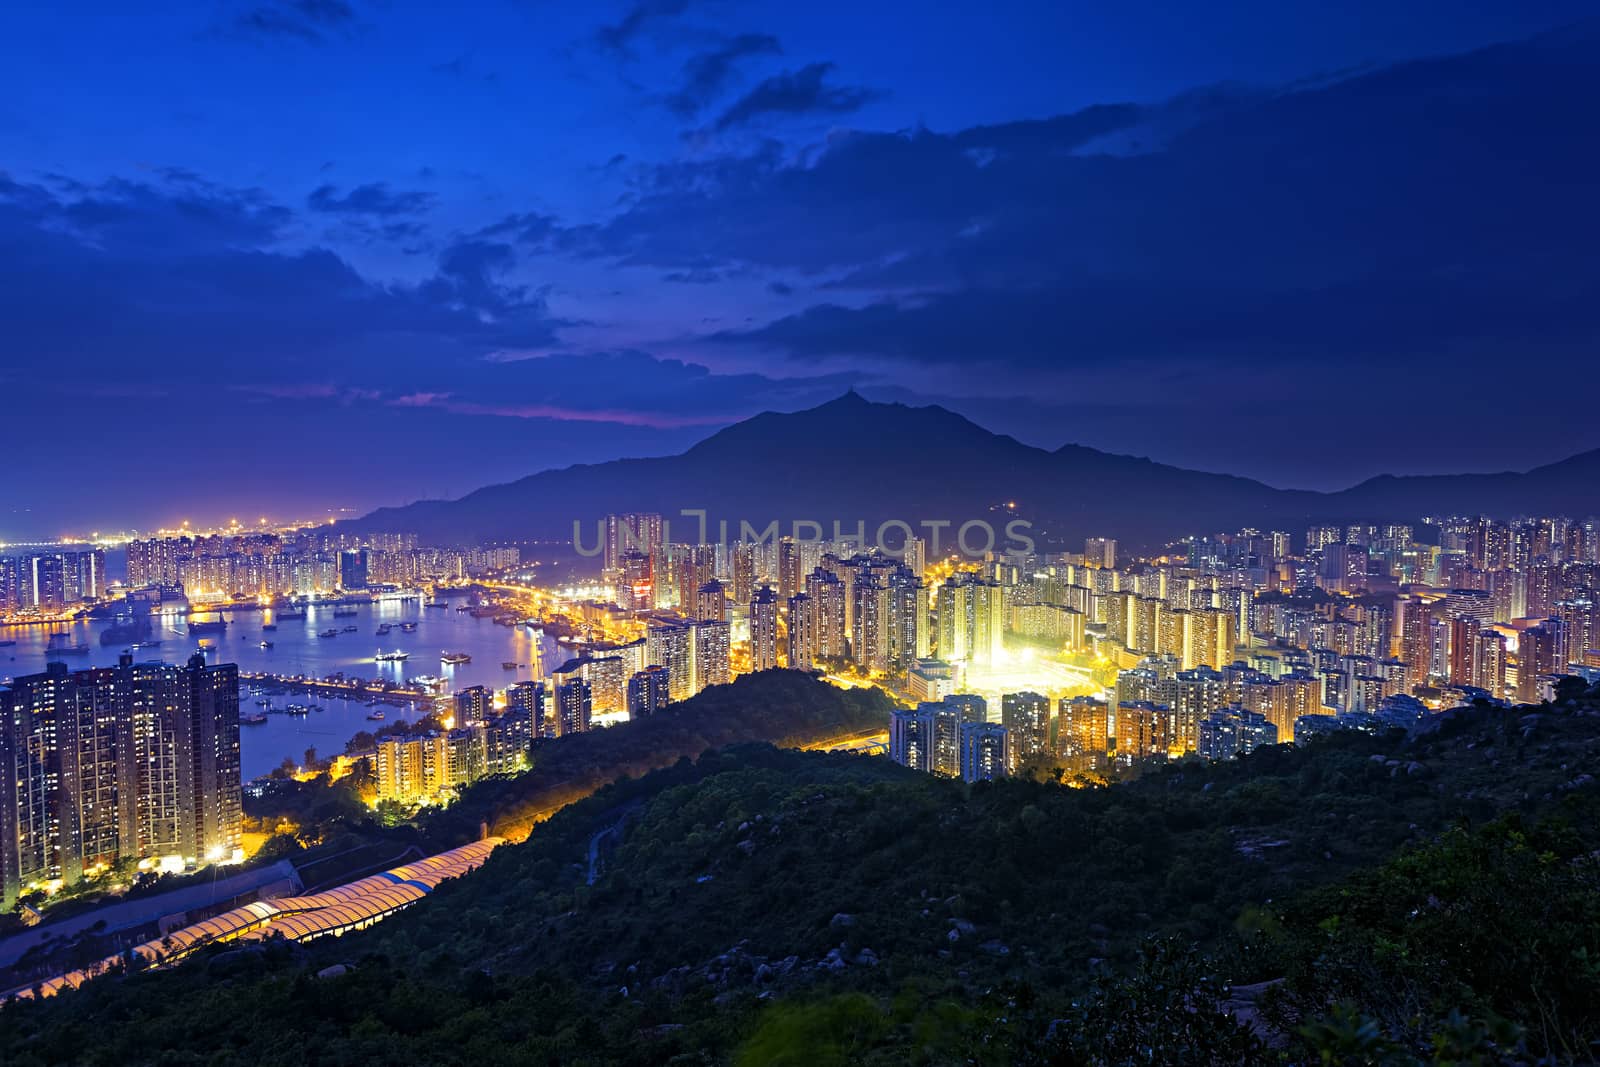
(291, 255)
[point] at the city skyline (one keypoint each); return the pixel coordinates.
(522, 238)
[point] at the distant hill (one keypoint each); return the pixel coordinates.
(851, 460)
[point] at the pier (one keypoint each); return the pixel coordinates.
(345, 688)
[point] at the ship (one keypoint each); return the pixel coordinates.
(391, 657)
(128, 630)
(283, 615)
(348, 630)
(297, 709)
(59, 646)
(208, 626)
(508, 665)
(375, 716)
(383, 628)
(252, 720)
(345, 611)
(268, 627)
(266, 644)
(329, 633)
(408, 627)
(454, 658)
(436, 604)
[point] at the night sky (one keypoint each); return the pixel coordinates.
(285, 256)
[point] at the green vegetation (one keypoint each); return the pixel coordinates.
(1432, 899)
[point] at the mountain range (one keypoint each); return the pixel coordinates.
(853, 461)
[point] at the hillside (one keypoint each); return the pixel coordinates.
(852, 460)
(761, 906)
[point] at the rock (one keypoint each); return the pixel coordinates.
(995, 948)
(963, 926)
(954, 935)
(842, 919)
(1415, 768)
(747, 847)
(744, 826)
(337, 970)
(867, 958)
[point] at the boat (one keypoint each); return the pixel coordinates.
(268, 627)
(8, 643)
(436, 604)
(349, 630)
(508, 665)
(297, 709)
(264, 703)
(329, 633)
(396, 656)
(454, 658)
(208, 626)
(58, 646)
(383, 628)
(375, 716)
(252, 720)
(266, 644)
(408, 627)
(282, 615)
(129, 630)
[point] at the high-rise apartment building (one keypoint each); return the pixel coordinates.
(764, 630)
(140, 760)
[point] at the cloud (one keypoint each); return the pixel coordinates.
(707, 74)
(311, 21)
(618, 36)
(795, 92)
(372, 199)
(1418, 222)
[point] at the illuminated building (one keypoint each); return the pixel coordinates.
(971, 620)
(788, 568)
(573, 706)
(764, 630)
(605, 675)
(1100, 552)
(828, 604)
(984, 751)
(1195, 694)
(907, 620)
(473, 705)
(711, 603)
(869, 636)
(1026, 717)
(627, 534)
(1230, 732)
(911, 738)
(1083, 732)
(648, 692)
(128, 762)
(353, 569)
(931, 680)
(744, 572)
(1142, 730)
(712, 649)
(670, 644)
(635, 585)
(528, 699)
(1539, 652)
(802, 633)
(1319, 537)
